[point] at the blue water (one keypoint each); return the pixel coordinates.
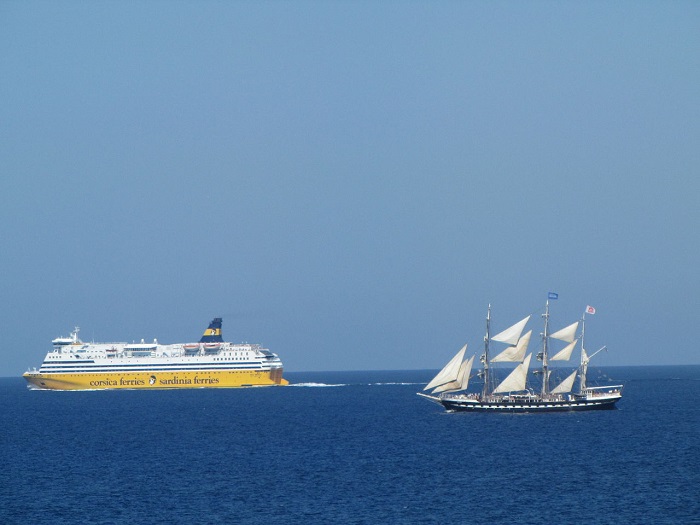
(366, 450)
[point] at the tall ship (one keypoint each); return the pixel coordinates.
(513, 394)
(210, 363)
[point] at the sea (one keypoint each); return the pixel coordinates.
(347, 448)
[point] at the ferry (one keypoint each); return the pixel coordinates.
(210, 363)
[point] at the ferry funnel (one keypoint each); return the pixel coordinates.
(213, 333)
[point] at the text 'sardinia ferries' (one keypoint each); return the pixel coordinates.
(512, 393)
(210, 363)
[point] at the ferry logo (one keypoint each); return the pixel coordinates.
(213, 333)
(152, 380)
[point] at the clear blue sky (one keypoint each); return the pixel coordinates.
(349, 183)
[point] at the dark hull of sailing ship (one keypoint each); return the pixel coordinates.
(572, 402)
(512, 394)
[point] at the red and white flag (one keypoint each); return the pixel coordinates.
(590, 310)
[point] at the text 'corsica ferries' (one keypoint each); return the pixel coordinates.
(210, 363)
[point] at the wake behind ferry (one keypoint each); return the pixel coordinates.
(209, 363)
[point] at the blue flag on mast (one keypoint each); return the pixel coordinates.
(552, 295)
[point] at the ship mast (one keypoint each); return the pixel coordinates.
(485, 357)
(584, 358)
(545, 337)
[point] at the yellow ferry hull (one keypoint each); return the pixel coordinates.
(156, 380)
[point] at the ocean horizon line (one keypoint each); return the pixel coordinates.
(393, 370)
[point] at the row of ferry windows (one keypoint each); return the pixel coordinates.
(215, 359)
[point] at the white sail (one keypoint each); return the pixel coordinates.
(565, 353)
(512, 334)
(464, 373)
(514, 354)
(566, 385)
(566, 334)
(584, 369)
(450, 372)
(517, 379)
(462, 381)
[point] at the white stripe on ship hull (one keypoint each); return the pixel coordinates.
(160, 368)
(150, 369)
(531, 407)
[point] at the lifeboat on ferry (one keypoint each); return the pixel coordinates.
(191, 348)
(212, 347)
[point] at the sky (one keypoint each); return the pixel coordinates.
(350, 184)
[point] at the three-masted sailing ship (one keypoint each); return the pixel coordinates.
(512, 394)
